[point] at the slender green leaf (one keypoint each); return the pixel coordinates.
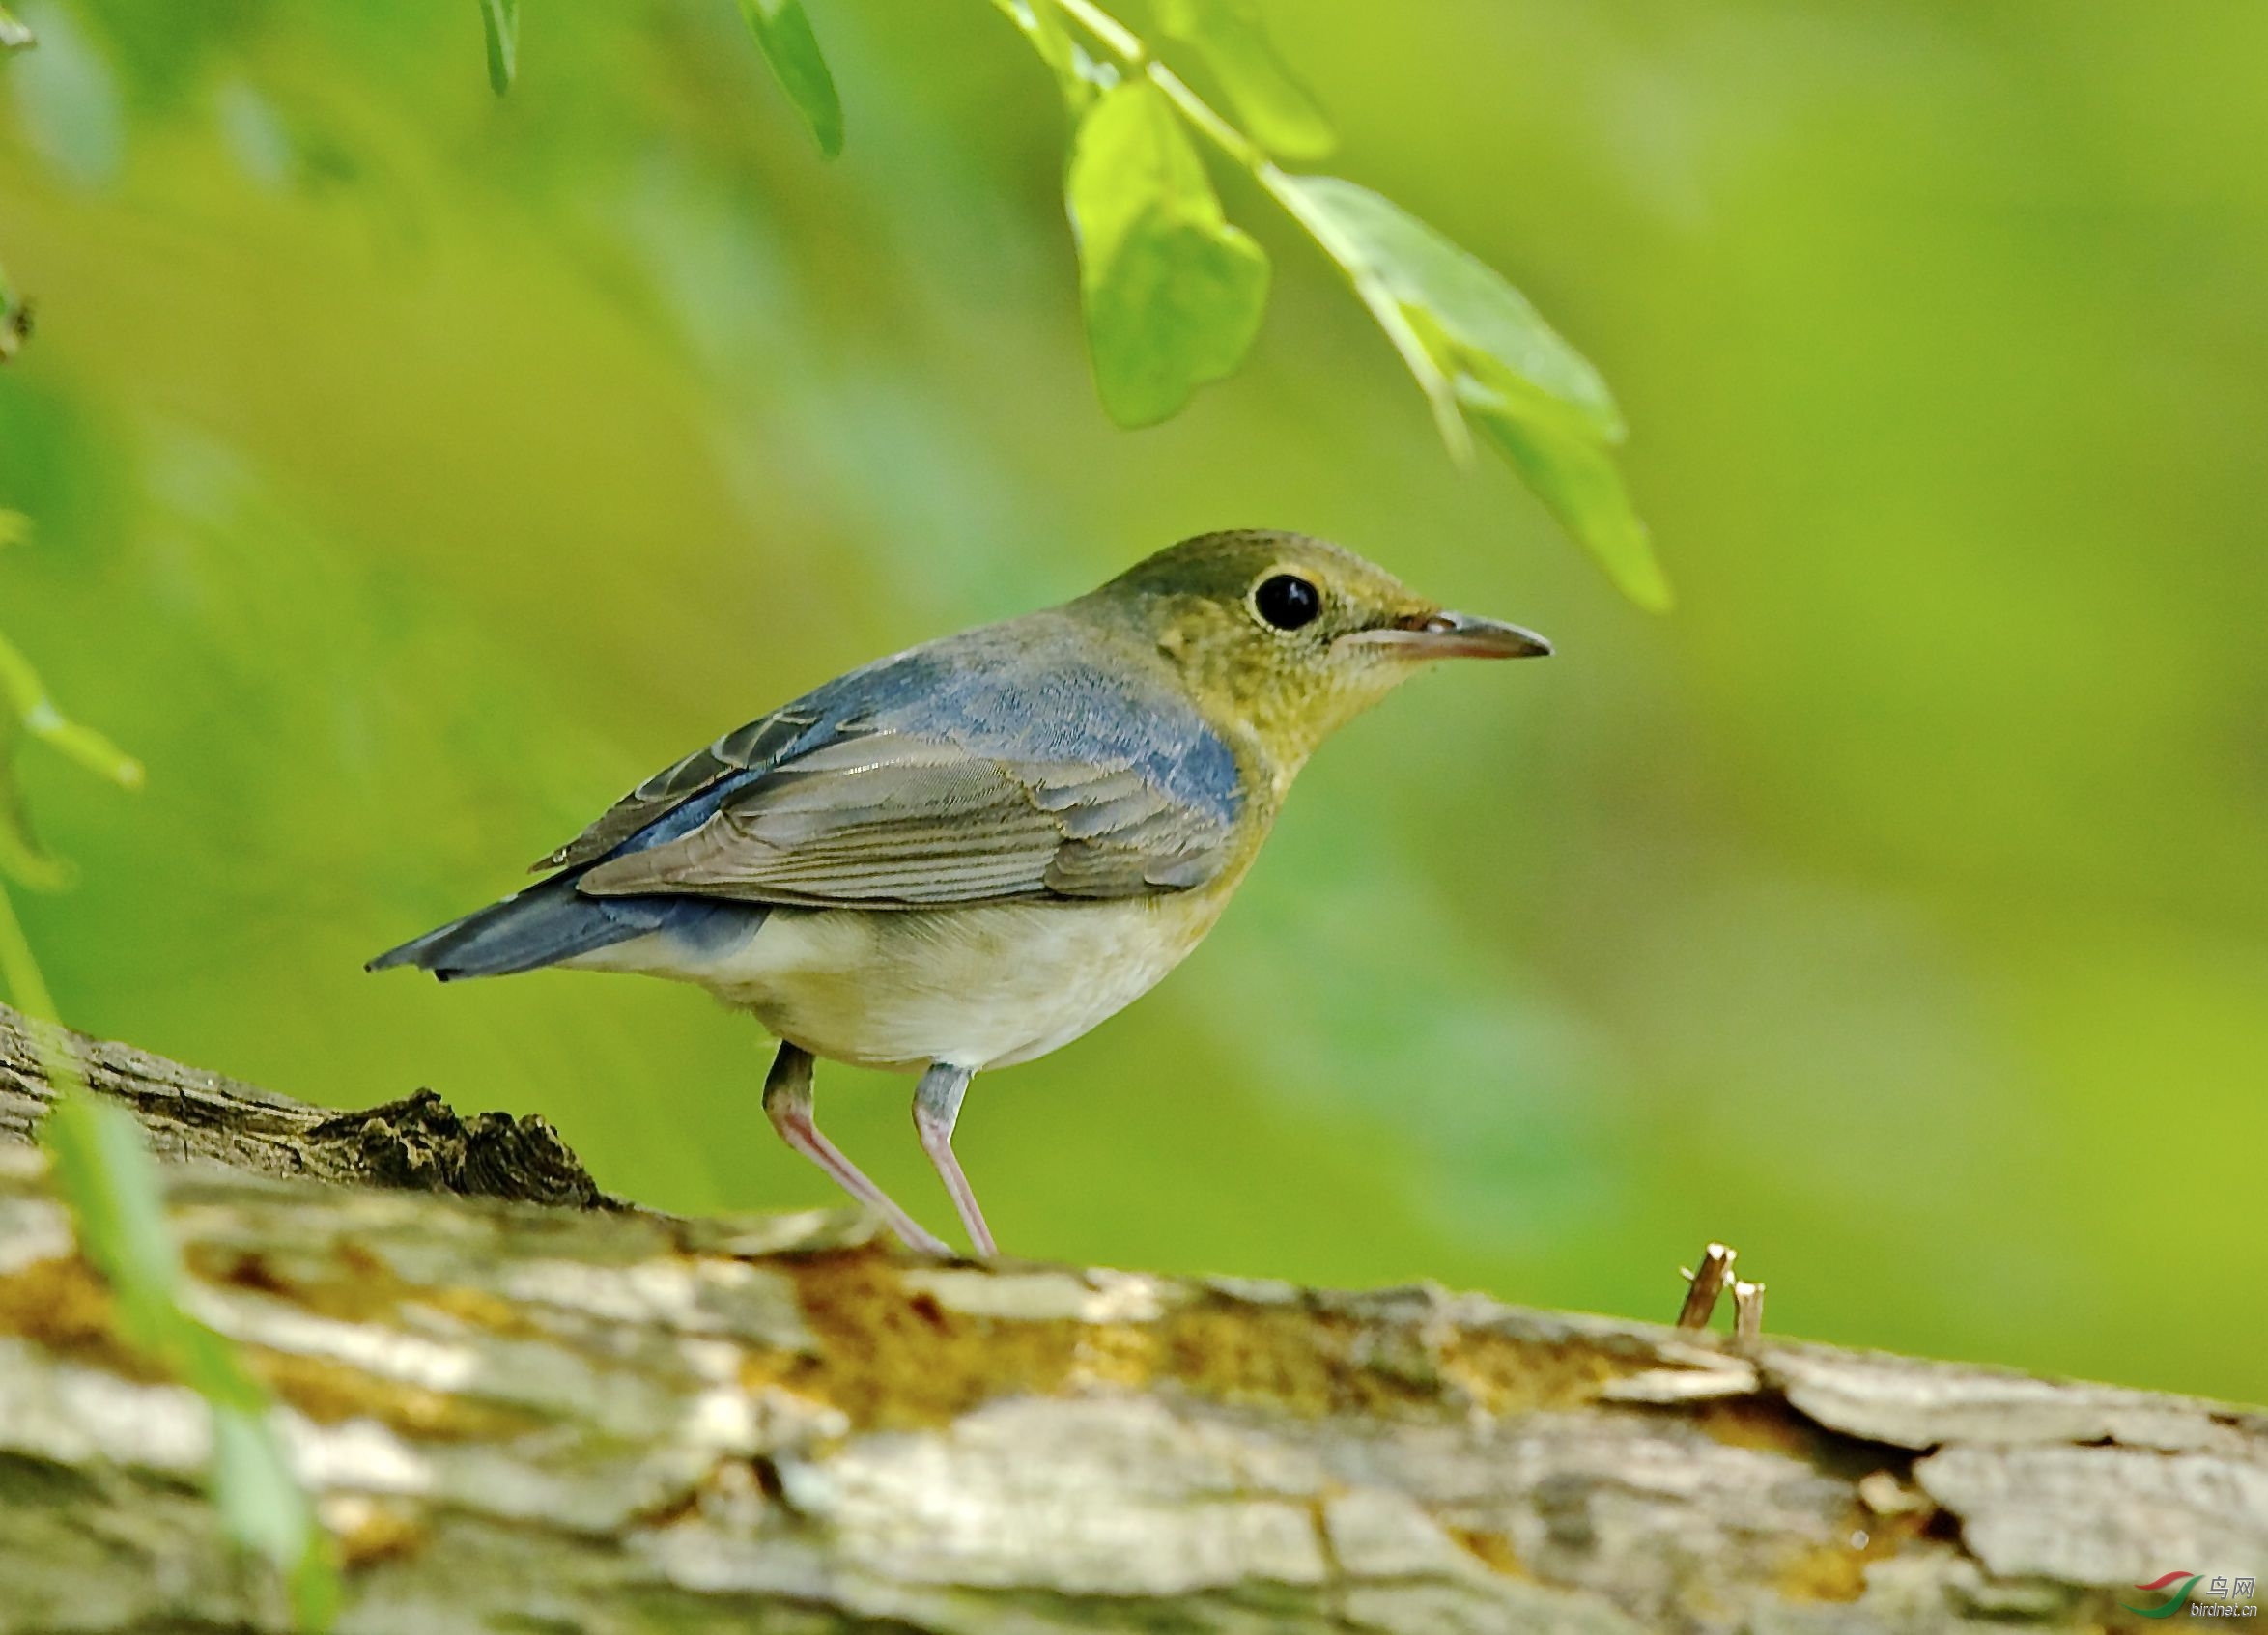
(14, 36)
(106, 1173)
(499, 20)
(111, 1183)
(1280, 113)
(1491, 328)
(1173, 293)
(15, 318)
(27, 712)
(1042, 22)
(1484, 356)
(259, 1502)
(784, 34)
(1574, 474)
(265, 1510)
(313, 1585)
(110, 1180)
(1048, 31)
(22, 859)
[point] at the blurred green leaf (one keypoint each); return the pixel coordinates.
(106, 1173)
(784, 34)
(499, 20)
(1575, 476)
(14, 36)
(15, 321)
(22, 859)
(264, 1508)
(1483, 326)
(1043, 24)
(1173, 295)
(1484, 354)
(27, 712)
(110, 1181)
(1280, 113)
(106, 1176)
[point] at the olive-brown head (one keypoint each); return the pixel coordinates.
(1288, 637)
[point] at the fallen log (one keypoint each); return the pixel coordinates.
(523, 1405)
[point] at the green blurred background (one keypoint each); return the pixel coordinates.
(414, 470)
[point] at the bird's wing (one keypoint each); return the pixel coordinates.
(888, 819)
(948, 774)
(757, 746)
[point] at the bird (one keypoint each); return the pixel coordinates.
(968, 854)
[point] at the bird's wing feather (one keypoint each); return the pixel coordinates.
(962, 771)
(759, 744)
(888, 819)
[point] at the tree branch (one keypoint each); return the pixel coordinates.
(605, 1419)
(192, 1115)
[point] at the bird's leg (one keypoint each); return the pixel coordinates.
(787, 1103)
(937, 1108)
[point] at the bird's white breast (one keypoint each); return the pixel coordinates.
(985, 985)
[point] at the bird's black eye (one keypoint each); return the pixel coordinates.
(1287, 601)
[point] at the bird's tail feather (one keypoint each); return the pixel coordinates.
(552, 922)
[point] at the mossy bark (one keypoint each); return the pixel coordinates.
(596, 1418)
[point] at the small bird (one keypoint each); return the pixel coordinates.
(967, 854)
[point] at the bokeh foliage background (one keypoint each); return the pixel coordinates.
(412, 471)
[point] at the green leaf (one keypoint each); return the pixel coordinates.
(784, 34)
(110, 1181)
(500, 19)
(107, 1175)
(264, 1508)
(107, 1179)
(27, 712)
(1173, 295)
(259, 1502)
(1574, 475)
(1041, 23)
(1486, 357)
(15, 320)
(1279, 112)
(1487, 327)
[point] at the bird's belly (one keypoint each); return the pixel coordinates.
(982, 986)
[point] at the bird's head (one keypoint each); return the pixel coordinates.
(1290, 637)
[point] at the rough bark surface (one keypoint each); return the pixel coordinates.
(594, 1419)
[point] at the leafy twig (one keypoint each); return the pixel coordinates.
(1174, 293)
(1483, 357)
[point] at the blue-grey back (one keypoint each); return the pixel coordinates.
(1044, 701)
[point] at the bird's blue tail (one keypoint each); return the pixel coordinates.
(552, 922)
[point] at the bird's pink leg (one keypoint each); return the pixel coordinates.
(937, 1108)
(787, 1103)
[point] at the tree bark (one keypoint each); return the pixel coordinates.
(572, 1415)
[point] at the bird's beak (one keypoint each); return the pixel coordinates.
(1455, 636)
